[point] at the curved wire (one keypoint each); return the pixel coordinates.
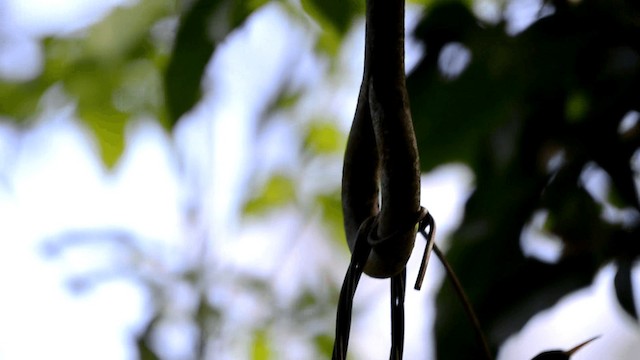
(426, 220)
(462, 295)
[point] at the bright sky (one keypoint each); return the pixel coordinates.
(50, 182)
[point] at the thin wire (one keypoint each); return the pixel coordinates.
(361, 251)
(468, 308)
(426, 221)
(359, 257)
(398, 287)
(343, 315)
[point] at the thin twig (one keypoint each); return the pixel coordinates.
(465, 301)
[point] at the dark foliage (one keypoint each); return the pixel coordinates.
(557, 90)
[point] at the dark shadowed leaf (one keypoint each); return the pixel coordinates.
(204, 25)
(336, 14)
(453, 118)
(335, 17)
(20, 100)
(145, 352)
(623, 283)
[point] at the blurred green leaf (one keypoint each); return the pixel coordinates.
(577, 107)
(323, 138)
(279, 190)
(324, 345)
(96, 107)
(97, 54)
(285, 99)
(261, 348)
(108, 126)
(111, 71)
(204, 25)
(139, 91)
(20, 100)
(125, 32)
(331, 207)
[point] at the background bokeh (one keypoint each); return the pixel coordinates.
(170, 172)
